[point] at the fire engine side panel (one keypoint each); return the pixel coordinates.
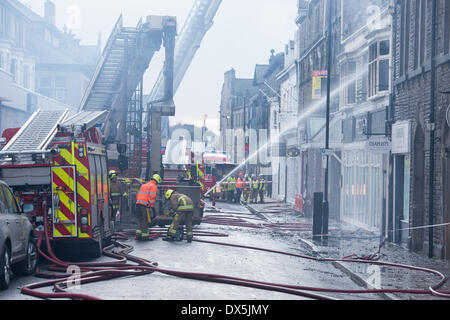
(106, 214)
(76, 155)
(99, 186)
(93, 192)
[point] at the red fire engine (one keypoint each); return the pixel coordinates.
(60, 176)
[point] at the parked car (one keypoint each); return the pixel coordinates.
(18, 249)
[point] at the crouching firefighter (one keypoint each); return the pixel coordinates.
(145, 201)
(181, 206)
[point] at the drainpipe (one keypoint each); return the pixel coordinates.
(388, 223)
(432, 128)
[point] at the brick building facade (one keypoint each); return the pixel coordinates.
(421, 170)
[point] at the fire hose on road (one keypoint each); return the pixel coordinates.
(121, 267)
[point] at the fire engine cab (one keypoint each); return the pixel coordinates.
(56, 165)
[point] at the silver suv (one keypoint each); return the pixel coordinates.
(18, 250)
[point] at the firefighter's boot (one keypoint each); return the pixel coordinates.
(138, 235)
(189, 237)
(169, 239)
(170, 235)
(145, 237)
(180, 233)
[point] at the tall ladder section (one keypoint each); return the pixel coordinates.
(117, 84)
(198, 22)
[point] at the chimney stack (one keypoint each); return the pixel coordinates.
(50, 12)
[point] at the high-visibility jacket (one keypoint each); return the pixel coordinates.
(147, 194)
(262, 185)
(181, 202)
(231, 185)
(255, 185)
(239, 183)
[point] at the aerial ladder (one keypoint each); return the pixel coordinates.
(198, 22)
(117, 84)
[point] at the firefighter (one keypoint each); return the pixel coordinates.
(255, 187)
(231, 188)
(246, 189)
(181, 206)
(239, 186)
(116, 192)
(145, 201)
(262, 188)
(223, 190)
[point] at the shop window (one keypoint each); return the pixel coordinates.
(406, 187)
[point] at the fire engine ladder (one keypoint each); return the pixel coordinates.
(36, 134)
(198, 22)
(117, 82)
(83, 121)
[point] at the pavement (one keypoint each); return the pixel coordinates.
(346, 239)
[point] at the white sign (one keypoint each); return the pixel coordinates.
(401, 137)
(379, 145)
(327, 152)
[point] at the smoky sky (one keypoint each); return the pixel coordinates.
(242, 36)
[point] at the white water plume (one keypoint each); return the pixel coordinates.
(301, 117)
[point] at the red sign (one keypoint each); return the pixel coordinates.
(320, 73)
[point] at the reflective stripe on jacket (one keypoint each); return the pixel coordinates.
(147, 194)
(262, 185)
(181, 202)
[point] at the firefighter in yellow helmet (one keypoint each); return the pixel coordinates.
(116, 191)
(181, 206)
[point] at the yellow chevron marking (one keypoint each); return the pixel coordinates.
(83, 192)
(65, 200)
(56, 233)
(82, 170)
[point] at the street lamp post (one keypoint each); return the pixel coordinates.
(326, 210)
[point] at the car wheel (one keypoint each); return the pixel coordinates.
(27, 267)
(5, 269)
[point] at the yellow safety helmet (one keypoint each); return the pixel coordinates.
(112, 174)
(157, 178)
(169, 193)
